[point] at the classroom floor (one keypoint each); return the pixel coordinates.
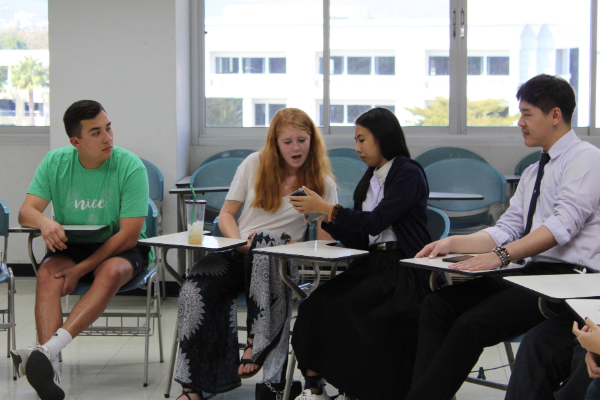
(95, 368)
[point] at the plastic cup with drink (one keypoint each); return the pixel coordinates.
(195, 220)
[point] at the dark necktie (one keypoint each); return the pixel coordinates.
(536, 192)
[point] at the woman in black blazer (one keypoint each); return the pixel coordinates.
(359, 330)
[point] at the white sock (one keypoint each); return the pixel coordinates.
(57, 342)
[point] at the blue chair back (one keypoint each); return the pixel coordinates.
(237, 153)
(463, 175)
(438, 223)
(443, 153)
(219, 172)
(348, 172)
(343, 152)
(526, 162)
(151, 220)
(156, 181)
(3, 219)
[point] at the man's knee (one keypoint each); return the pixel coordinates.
(117, 270)
(50, 267)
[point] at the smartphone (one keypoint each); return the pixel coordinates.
(310, 217)
(457, 259)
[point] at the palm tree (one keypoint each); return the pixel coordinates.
(28, 75)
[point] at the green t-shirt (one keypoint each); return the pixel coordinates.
(102, 196)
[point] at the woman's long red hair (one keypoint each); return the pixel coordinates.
(271, 168)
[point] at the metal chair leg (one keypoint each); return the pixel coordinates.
(159, 319)
(173, 358)
(12, 316)
(147, 344)
(509, 354)
(290, 376)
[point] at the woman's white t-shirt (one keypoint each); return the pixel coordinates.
(285, 219)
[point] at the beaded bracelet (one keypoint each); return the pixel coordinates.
(503, 254)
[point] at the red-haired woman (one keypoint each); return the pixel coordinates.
(208, 361)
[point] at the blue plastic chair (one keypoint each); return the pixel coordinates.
(156, 184)
(526, 162)
(219, 172)
(6, 275)
(344, 152)
(236, 153)
(347, 172)
(443, 153)
(438, 223)
(152, 311)
(463, 175)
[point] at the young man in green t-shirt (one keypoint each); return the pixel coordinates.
(88, 183)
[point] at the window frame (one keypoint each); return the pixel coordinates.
(458, 58)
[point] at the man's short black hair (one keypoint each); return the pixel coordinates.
(79, 111)
(547, 92)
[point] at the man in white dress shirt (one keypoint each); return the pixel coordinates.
(552, 222)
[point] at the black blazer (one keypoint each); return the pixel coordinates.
(403, 207)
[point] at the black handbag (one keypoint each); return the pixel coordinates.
(274, 391)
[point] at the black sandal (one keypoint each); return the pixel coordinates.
(186, 393)
(246, 361)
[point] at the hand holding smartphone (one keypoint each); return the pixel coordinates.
(310, 217)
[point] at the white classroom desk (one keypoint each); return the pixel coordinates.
(561, 287)
(586, 308)
(33, 233)
(179, 240)
(437, 266)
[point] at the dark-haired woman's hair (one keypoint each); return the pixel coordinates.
(388, 134)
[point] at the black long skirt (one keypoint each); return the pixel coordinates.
(359, 331)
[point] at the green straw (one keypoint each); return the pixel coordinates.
(194, 206)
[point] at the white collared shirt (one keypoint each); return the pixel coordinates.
(374, 197)
(568, 204)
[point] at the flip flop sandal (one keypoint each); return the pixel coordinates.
(246, 361)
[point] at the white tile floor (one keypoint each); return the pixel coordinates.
(96, 368)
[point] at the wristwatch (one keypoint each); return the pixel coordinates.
(285, 238)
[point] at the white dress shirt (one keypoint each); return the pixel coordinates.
(374, 197)
(568, 204)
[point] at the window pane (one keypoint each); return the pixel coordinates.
(277, 65)
(516, 47)
(439, 66)
(385, 65)
(227, 65)
(273, 108)
(224, 112)
(474, 65)
(259, 114)
(253, 65)
(359, 65)
(497, 66)
(387, 31)
(355, 112)
(336, 65)
(24, 63)
(336, 114)
(264, 37)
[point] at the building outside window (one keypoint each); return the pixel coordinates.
(503, 49)
(24, 63)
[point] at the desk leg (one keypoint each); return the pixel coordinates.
(433, 280)
(543, 305)
(286, 279)
(30, 250)
(169, 268)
